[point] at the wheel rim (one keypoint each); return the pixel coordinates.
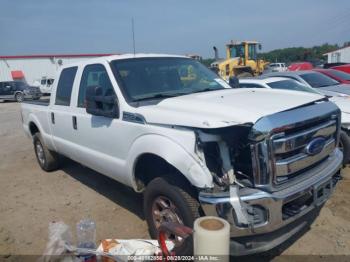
(19, 97)
(40, 153)
(164, 210)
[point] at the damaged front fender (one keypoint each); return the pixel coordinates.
(173, 153)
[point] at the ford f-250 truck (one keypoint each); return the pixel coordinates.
(261, 159)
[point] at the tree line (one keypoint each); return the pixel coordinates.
(296, 54)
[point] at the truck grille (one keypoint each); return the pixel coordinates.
(289, 149)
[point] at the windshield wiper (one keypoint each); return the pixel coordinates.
(207, 90)
(159, 96)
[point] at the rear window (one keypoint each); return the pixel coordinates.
(291, 85)
(65, 85)
(318, 80)
(340, 74)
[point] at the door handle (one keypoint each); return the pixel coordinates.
(52, 118)
(74, 121)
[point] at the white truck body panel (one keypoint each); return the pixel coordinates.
(109, 145)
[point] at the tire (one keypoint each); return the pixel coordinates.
(48, 160)
(19, 97)
(182, 196)
(344, 145)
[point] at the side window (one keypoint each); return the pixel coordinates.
(94, 75)
(65, 85)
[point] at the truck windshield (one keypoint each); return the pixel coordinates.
(157, 78)
(318, 80)
(291, 85)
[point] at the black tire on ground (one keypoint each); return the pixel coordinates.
(47, 159)
(182, 196)
(344, 145)
(19, 97)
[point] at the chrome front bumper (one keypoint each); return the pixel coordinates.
(316, 188)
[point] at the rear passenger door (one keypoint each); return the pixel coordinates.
(60, 115)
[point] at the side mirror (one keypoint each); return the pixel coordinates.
(100, 104)
(233, 82)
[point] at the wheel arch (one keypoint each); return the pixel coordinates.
(167, 155)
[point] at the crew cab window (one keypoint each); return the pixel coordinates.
(94, 75)
(65, 85)
(244, 85)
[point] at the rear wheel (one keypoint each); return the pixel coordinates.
(344, 146)
(48, 160)
(171, 200)
(19, 97)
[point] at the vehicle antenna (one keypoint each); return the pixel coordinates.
(133, 34)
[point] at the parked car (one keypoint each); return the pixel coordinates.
(18, 91)
(321, 82)
(289, 84)
(193, 146)
(44, 84)
(275, 83)
(276, 67)
(341, 77)
(300, 66)
(344, 68)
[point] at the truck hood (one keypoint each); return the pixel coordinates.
(224, 107)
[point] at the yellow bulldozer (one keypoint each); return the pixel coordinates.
(241, 60)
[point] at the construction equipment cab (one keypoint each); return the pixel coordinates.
(241, 60)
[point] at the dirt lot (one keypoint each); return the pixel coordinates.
(31, 198)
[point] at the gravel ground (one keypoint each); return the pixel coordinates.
(30, 199)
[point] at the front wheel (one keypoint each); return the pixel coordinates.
(344, 146)
(171, 200)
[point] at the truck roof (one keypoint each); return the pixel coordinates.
(123, 56)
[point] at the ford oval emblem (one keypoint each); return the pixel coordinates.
(315, 146)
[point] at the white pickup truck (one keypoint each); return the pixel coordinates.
(260, 159)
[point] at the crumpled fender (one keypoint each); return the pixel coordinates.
(173, 153)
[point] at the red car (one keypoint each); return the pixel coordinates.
(341, 77)
(344, 68)
(300, 66)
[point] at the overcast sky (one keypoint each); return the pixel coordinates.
(164, 26)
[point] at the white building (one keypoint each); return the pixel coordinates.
(341, 55)
(33, 68)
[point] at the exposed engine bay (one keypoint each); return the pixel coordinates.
(226, 153)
